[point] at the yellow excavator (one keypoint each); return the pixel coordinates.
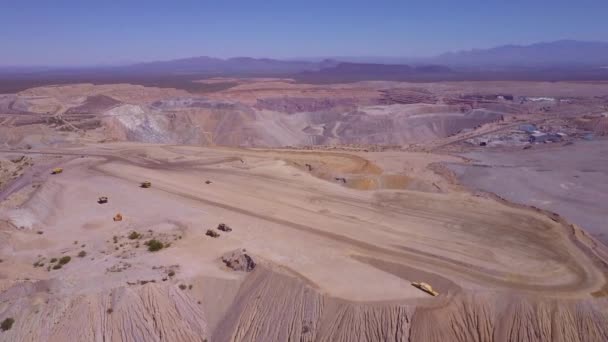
(57, 171)
(426, 288)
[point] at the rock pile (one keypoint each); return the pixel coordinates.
(239, 260)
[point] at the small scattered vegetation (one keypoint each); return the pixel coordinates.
(171, 273)
(134, 235)
(82, 254)
(154, 245)
(7, 324)
(53, 260)
(182, 286)
(40, 232)
(109, 311)
(115, 238)
(64, 260)
(56, 267)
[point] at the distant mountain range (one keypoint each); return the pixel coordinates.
(563, 53)
(559, 60)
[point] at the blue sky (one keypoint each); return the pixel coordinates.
(84, 32)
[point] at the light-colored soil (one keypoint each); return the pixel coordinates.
(321, 237)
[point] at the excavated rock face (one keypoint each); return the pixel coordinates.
(304, 104)
(239, 260)
(94, 104)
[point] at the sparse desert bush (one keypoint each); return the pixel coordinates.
(109, 311)
(64, 260)
(154, 245)
(134, 235)
(115, 238)
(56, 267)
(54, 260)
(82, 254)
(7, 324)
(171, 273)
(182, 286)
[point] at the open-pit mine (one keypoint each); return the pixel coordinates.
(275, 210)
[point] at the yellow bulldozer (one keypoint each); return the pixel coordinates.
(57, 171)
(426, 288)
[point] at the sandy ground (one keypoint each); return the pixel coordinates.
(570, 180)
(283, 214)
(349, 244)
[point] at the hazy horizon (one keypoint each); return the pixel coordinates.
(72, 33)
